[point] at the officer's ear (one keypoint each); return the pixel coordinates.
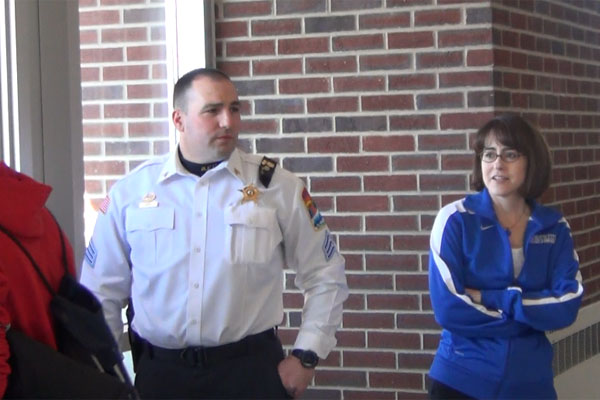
(177, 118)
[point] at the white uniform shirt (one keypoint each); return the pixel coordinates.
(202, 266)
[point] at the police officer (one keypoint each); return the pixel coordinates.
(198, 239)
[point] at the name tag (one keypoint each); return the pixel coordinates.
(549, 238)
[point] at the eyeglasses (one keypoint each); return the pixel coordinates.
(508, 156)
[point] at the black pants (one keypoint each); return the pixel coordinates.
(248, 374)
(439, 391)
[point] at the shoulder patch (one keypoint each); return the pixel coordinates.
(266, 171)
(314, 214)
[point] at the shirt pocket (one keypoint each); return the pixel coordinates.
(148, 230)
(253, 234)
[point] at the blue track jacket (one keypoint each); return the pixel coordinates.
(498, 349)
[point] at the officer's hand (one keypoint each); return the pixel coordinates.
(294, 376)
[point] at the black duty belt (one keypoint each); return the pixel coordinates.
(200, 356)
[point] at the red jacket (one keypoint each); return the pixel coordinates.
(24, 300)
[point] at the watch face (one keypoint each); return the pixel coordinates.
(308, 358)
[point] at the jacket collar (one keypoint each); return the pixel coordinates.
(480, 203)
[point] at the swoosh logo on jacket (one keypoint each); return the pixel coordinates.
(483, 228)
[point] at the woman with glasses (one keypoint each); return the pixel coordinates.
(502, 270)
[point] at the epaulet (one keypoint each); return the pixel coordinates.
(266, 170)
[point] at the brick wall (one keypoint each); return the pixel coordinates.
(372, 102)
(547, 62)
(124, 88)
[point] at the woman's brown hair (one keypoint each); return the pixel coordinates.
(515, 132)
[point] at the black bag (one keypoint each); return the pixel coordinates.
(90, 365)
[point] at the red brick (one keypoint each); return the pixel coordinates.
(124, 35)
(346, 5)
(388, 102)
(457, 162)
(332, 104)
(465, 79)
(330, 64)
(393, 223)
(334, 144)
(442, 183)
(385, 62)
(368, 320)
(104, 168)
(370, 282)
(89, 36)
(277, 66)
(411, 242)
(392, 262)
(234, 68)
(410, 40)
(408, 3)
(159, 71)
(303, 85)
(231, 29)
(415, 360)
(345, 378)
(90, 111)
(370, 359)
(413, 122)
(335, 184)
(358, 42)
(480, 58)
(437, 17)
(259, 126)
(277, 27)
(104, 55)
(339, 224)
(250, 48)
(147, 91)
(412, 162)
(127, 110)
(352, 339)
(464, 120)
(440, 101)
(416, 321)
(247, 9)
(146, 53)
(412, 81)
(416, 203)
(99, 17)
(394, 340)
(431, 341)
(398, 380)
(440, 59)
(362, 164)
(144, 15)
(158, 33)
(369, 394)
(382, 21)
(125, 73)
(93, 186)
(362, 203)
(393, 301)
(303, 45)
(412, 282)
(90, 74)
(300, 7)
(103, 129)
(365, 242)
(148, 128)
(358, 83)
(389, 143)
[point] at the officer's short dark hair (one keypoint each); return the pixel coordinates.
(515, 132)
(185, 82)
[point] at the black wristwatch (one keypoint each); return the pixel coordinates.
(308, 358)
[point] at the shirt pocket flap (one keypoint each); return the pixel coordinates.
(149, 219)
(250, 217)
